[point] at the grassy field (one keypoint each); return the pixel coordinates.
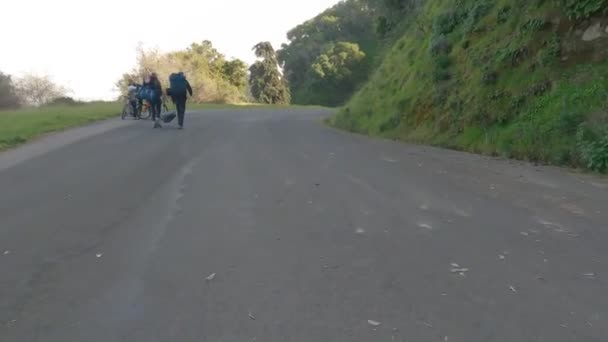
(20, 126)
(501, 77)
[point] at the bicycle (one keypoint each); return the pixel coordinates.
(127, 109)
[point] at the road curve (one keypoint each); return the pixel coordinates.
(264, 225)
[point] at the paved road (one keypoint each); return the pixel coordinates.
(108, 233)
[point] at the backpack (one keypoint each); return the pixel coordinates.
(146, 93)
(177, 84)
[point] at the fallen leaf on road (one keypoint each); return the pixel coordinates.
(454, 264)
(6, 252)
(373, 323)
(425, 225)
(359, 231)
(251, 316)
(512, 288)
(563, 326)
(589, 324)
(426, 323)
(501, 257)
(211, 276)
(98, 255)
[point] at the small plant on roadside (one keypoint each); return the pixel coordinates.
(593, 146)
(582, 9)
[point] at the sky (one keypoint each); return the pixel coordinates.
(85, 45)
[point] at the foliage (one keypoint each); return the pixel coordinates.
(8, 92)
(581, 9)
(593, 144)
(212, 77)
(38, 90)
(65, 100)
(503, 77)
(338, 61)
(266, 82)
(312, 42)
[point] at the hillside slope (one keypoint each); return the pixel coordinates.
(520, 78)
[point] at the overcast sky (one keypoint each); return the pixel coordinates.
(87, 44)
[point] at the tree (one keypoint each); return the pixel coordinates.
(265, 80)
(348, 21)
(235, 72)
(338, 62)
(38, 90)
(212, 77)
(8, 94)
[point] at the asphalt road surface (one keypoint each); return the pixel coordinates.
(265, 225)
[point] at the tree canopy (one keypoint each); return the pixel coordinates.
(37, 90)
(8, 93)
(213, 78)
(266, 82)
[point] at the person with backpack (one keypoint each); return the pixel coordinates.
(179, 87)
(155, 100)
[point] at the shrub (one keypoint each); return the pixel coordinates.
(446, 23)
(503, 14)
(441, 75)
(582, 9)
(593, 146)
(65, 100)
(440, 44)
(489, 78)
(475, 13)
(532, 25)
(443, 61)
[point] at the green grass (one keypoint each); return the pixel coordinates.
(501, 89)
(20, 126)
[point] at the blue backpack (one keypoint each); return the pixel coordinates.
(177, 84)
(146, 93)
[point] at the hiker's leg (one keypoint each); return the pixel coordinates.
(181, 110)
(134, 107)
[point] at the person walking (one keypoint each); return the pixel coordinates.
(156, 102)
(179, 87)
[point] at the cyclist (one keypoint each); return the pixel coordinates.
(133, 89)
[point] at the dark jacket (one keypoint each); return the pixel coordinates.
(189, 87)
(174, 97)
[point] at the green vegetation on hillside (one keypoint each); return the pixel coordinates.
(519, 78)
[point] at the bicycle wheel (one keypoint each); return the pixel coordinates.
(145, 111)
(126, 111)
